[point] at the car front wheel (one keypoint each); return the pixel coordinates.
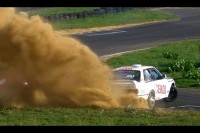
(172, 94)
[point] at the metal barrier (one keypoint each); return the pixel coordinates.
(85, 14)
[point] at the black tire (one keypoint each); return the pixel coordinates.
(151, 100)
(172, 94)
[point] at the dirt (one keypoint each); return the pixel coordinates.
(60, 71)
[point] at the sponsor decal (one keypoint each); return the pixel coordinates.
(161, 89)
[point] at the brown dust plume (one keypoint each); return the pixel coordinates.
(60, 71)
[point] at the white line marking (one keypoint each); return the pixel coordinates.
(112, 32)
(121, 53)
(185, 106)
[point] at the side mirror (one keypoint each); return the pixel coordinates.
(164, 75)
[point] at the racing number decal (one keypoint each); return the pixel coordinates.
(161, 89)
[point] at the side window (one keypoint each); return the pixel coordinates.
(155, 74)
(147, 75)
(127, 74)
(137, 76)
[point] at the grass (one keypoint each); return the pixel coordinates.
(113, 19)
(188, 50)
(57, 10)
(96, 117)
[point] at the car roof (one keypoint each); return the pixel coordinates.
(138, 67)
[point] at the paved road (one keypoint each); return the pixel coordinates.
(133, 38)
(187, 99)
(125, 39)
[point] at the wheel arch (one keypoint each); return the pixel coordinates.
(151, 94)
(173, 84)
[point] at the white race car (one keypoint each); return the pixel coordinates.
(148, 82)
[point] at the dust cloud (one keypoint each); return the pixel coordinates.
(41, 68)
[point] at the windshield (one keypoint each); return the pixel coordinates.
(127, 74)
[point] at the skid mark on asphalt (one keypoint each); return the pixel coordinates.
(104, 33)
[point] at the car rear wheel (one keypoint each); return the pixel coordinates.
(172, 94)
(151, 100)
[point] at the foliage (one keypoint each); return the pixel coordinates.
(192, 74)
(181, 65)
(170, 55)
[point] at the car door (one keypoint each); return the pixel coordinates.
(146, 84)
(160, 84)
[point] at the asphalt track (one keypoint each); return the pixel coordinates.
(148, 35)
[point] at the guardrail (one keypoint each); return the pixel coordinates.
(85, 14)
